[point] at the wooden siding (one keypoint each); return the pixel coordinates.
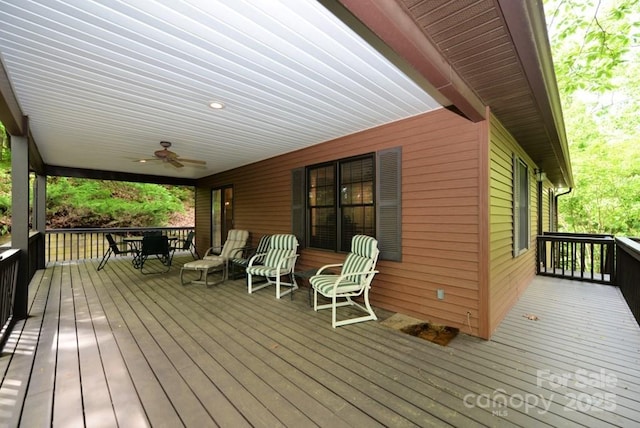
(203, 219)
(509, 276)
(440, 207)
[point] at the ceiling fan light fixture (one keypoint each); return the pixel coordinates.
(216, 105)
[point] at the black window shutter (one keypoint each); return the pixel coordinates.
(389, 203)
(298, 199)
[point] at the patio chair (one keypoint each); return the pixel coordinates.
(158, 247)
(354, 280)
(114, 249)
(278, 261)
(186, 245)
(233, 247)
(240, 263)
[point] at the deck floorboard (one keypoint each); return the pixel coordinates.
(118, 348)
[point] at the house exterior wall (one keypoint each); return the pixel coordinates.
(440, 209)
(203, 219)
(457, 216)
(508, 275)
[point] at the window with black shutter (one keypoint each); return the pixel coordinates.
(347, 197)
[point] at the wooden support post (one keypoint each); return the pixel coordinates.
(20, 219)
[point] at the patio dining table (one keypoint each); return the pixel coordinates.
(135, 242)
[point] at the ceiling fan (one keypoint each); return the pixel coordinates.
(166, 155)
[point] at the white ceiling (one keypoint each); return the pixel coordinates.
(103, 82)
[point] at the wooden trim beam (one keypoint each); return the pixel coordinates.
(35, 159)
(395, 27)
(528, 30)
(15, 123)
(63, 171)
(10, 113)
(484, 227)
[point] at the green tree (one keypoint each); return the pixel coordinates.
(100, 203)
(596, 57)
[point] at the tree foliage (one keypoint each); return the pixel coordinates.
(591, 40)
(100, 203)
(596, 57)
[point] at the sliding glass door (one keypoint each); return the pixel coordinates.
(221, 214)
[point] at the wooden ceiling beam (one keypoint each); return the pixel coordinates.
(63, 171)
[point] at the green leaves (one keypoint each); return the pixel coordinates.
(590, 41)
(96, 203)
(596, 57)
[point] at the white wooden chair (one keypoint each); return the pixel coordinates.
(354, 280)
(278, 261)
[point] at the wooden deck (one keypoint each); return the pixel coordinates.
(116, 348)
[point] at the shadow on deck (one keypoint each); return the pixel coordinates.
(116, 348)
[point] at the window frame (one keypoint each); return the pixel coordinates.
(521, 207)
(388, 203)
(222, 214)
(339, 243)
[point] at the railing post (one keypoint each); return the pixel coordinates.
(627, 272)
(40, 217)
(611, 261)
(538, 254)
(9, 267)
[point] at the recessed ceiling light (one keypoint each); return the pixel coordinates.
(216, 105)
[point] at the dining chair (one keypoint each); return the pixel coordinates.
(155, 247)
(114, 249)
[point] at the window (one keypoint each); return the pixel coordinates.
(520, 206)
(333, 201)
(322, 207)
(333, 219)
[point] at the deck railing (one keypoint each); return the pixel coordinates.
(8, 276)
(583, 257)
(628, 272)
(89, 243)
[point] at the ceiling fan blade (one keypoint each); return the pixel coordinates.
(167, 156)
(199, 162)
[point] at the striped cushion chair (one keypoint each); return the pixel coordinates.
(354, 280)
(241, 262)
(278, 261)
(233, 246)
